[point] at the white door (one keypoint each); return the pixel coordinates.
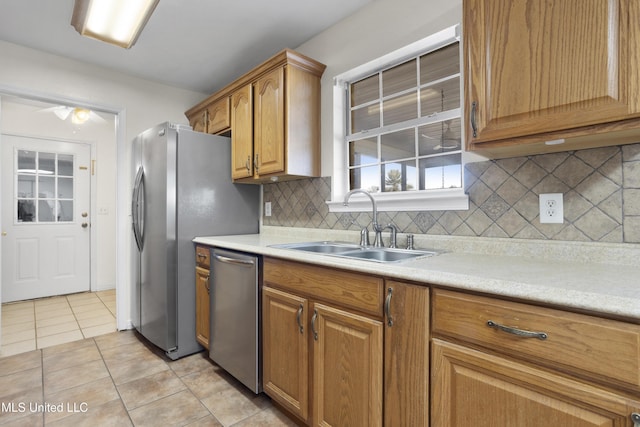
(46, 195)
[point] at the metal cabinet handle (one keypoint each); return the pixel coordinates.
(518, 332)
(299, 319)
(206, 283)
(474, 126)
(227, 260)
(387, 307)
(248, 165)
(200, 256)
(255, 164)
(635, 417)
(313, 325)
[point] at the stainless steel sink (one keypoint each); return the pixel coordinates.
(320, 247)
(387, 254)
(350, 250)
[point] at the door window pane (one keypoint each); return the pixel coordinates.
(26, 186)
(46, 163)
(26, 161)
(46, 211)
(44, 187)
(65, 188)
(65, 165)
(65, 210)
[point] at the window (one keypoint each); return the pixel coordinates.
(44, 187)
(402, 129)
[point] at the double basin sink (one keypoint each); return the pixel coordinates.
(353, 251)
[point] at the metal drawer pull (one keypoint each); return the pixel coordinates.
(298, 318)
(635, 417)
(518, 332)
(206, 284)
(387, 307)
(313, 324)
(228, 260)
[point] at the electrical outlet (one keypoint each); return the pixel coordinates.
(551, 208)
(267, 209)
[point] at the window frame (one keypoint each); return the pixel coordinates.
(416, 200)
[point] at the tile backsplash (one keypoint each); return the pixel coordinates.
(601, 190)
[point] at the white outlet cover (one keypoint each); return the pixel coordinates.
(551, 208)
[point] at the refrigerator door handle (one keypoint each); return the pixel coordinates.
(228, 260)
(137, 208)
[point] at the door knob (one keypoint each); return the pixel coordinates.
(4, 233)
(84, 214)
(85, 225)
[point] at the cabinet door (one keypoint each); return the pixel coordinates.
(347, 368)
(242, 133)
(218, 116)
(540, 66)
(470, 387)
(202, 306)
(406, 355)
(269, 140)
(285, 350)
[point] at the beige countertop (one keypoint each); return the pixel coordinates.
(600, 278)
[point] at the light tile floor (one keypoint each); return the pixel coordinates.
(118, 379)
(40, 323)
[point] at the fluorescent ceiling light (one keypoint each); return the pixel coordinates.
(117, 22)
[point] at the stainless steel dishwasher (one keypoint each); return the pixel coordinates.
(234, 335)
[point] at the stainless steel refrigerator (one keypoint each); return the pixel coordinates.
(182, 189)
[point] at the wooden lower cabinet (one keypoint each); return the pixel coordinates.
(285, 345)
(347, 368)
(406, 355)
(202, 306)
(342, 384)
(472, 387)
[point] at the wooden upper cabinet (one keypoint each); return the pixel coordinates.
(269, 123)
(242, 134)
(539, 70)
(274, 119)
(198, 120)
(211, 116)
(218, 116)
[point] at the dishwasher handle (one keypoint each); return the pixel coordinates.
(227, 260)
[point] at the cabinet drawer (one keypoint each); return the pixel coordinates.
(202, 256)
(576, 343)
(351, 290)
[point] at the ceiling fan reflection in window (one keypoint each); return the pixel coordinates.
(77, 115)
(448, 138)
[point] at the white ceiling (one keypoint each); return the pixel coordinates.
(199, 45)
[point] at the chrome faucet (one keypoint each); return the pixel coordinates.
(393, 242)
(377, 242)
